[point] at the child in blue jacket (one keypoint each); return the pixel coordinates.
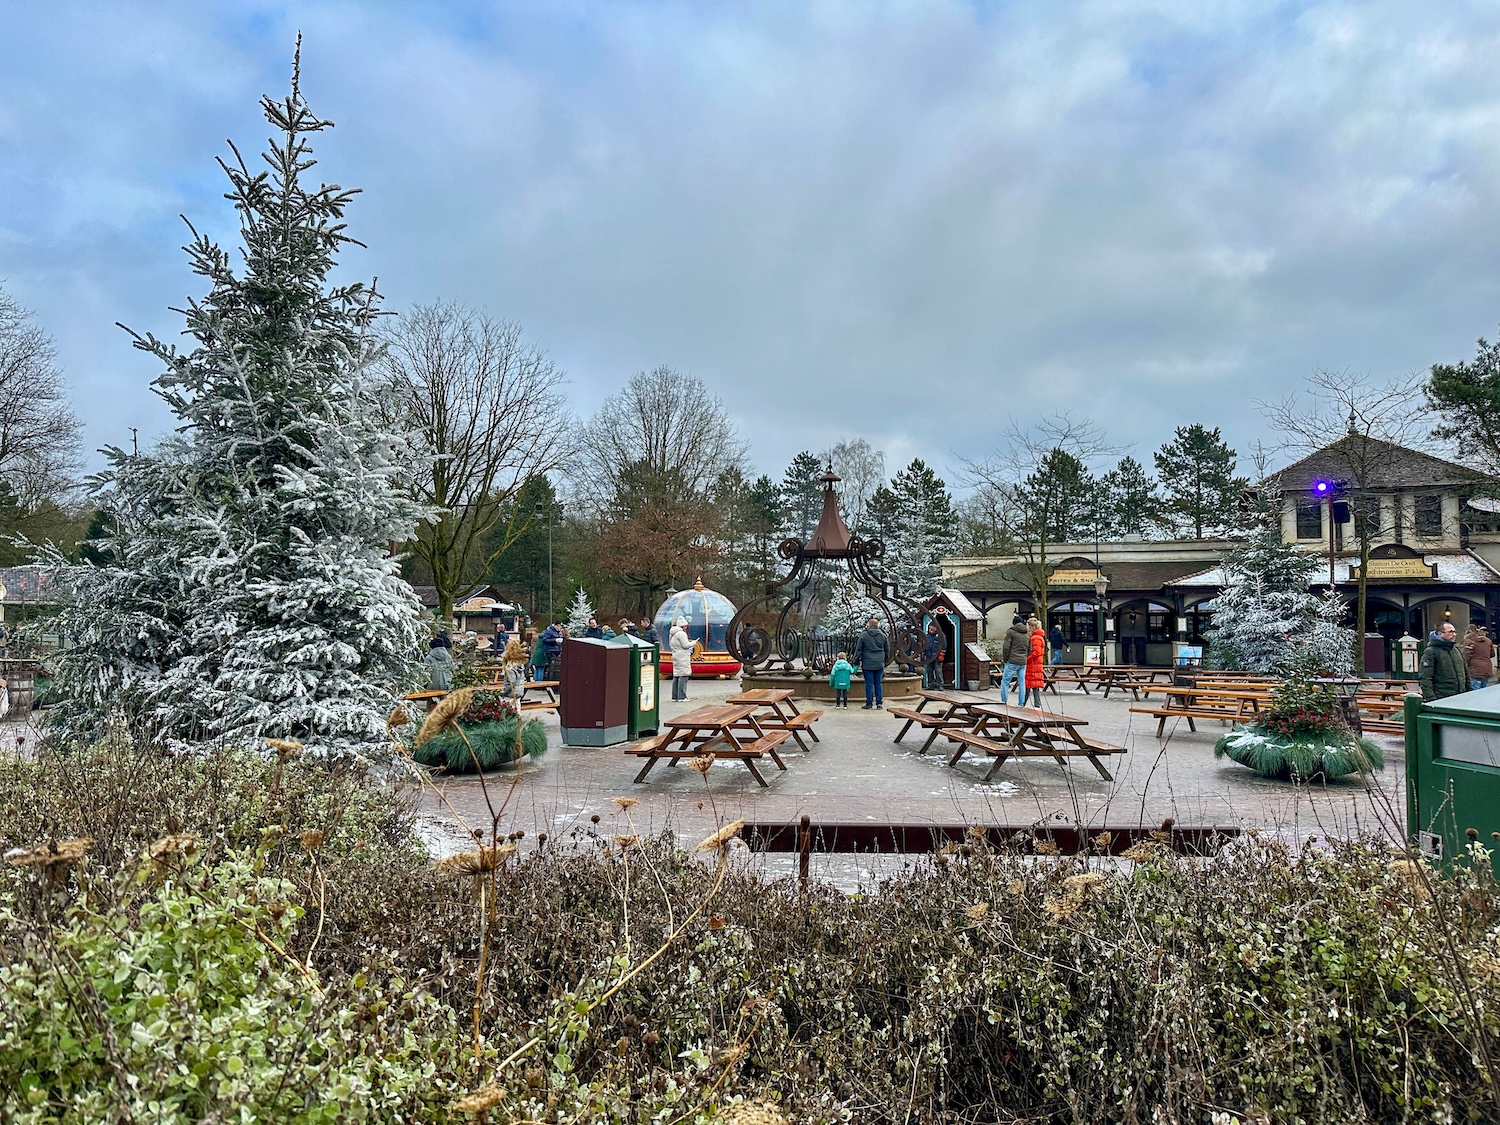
(839, 679)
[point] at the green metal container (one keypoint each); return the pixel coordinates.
(1453, 773)
(645, 684)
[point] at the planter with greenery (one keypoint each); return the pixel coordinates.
(1302, 736)
(471, 731)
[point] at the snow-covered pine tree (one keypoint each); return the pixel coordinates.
(849, 609)
(1267, 621)
(580, 609)
(245, 588)
(923, 530)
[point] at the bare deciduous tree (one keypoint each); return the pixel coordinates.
(1034, 491)
(662, 422)
(862, 468)
(40, 446)
(486, 410)
(1354, 422)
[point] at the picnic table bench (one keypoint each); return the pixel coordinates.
(779, 712)
(965, 718)
(1229, 705)
(715, 729)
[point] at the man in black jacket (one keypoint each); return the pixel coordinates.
(872, 654)
(1443, 671)
(932, 658)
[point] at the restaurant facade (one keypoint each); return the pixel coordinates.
(1434, 557)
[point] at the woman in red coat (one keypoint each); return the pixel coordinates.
(1036, 674)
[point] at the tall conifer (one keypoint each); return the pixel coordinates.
(245, 588)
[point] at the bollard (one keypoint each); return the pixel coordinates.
(804, 852)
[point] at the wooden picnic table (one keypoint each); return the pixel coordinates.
(1190, 702)
(965, 717)
(1129, 677)
(779, 712)
(715, 729)
(1029, 732)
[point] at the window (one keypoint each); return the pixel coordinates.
(1199, 621)
(1078, 622)
(1159, 628)
(1309, 519)
(1429, 516)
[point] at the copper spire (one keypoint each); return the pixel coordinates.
(830, 539)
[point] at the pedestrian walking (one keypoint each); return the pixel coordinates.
(932, 657)
(1442, 672)
(1479, 656)
(682, 659)
(839, 677)
(1014, 650)
(1058, 642)
(872, 653)
(1036, 671)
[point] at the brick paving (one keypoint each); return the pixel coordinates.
(858, 774)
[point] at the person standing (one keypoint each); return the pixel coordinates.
(1058, 642)
(513, 669)
(1479, 656)
(932, 658)
(439, 663)
(1442, 672)
(502, 637)
(682, 659)
(1036, 671)
(872, 653)
(539, 660)
(838, 679)
(593, 631)
(1013, 653)
(649, 633)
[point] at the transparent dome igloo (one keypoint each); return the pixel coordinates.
(708, 614)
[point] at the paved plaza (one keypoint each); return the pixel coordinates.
(856, 773)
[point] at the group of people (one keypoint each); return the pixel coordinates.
(1450, 666)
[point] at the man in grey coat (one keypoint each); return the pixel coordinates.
(1013, 652)
(872, 654)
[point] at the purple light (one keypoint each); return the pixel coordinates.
(1321, 486)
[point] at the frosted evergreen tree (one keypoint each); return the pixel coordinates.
(923, 529)
(245, 588)
(849, 609)
(1267, 621)
(580, 609)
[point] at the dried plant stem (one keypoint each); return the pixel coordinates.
(298, 965)
(643, 966)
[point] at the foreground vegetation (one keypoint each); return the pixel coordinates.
(263, 938)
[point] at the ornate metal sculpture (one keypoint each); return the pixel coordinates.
(756, 647)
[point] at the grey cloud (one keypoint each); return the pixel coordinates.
(900, 222)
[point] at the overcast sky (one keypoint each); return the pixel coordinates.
(907, 222)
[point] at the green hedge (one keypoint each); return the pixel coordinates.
(311, 941)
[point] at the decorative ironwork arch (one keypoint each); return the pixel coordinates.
(757, 647)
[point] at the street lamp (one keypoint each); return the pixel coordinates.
(541, 513)
(1101, 590)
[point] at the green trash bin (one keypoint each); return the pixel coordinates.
(1453, 772)
(645, 685)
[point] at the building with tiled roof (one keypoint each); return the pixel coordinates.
(1435, 557)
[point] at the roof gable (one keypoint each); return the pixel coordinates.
(1390, 466)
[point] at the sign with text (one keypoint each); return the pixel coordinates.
(1398, 568)
(1073, 578)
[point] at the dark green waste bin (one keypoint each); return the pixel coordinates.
(645, 684)
(1453, 772)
